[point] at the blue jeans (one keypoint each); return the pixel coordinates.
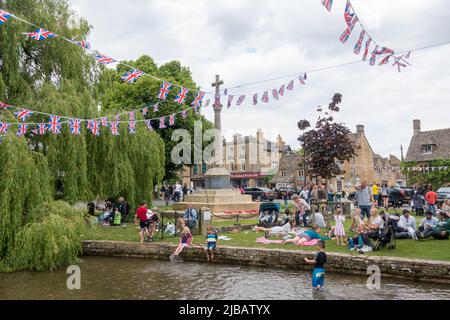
(365, 211)
(432, 208)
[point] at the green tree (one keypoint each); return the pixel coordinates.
(327, 145)
(116, 96)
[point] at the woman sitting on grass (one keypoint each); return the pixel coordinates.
(306, 236)
(284, 230)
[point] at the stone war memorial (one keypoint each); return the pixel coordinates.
(218, 195)
(226, 159)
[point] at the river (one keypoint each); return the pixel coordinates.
(113, 278)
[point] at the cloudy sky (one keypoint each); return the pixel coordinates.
(250, 40)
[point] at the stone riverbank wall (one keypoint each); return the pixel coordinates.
(410, 269)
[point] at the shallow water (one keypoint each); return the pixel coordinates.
(113, 278)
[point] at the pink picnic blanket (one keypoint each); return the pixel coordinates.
(263, 240)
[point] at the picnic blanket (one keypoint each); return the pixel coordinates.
(263, 240)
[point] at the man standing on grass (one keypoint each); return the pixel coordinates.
(142, 219)
(364, 198)
(431, 198)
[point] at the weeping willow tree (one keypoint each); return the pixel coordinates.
(56, 77)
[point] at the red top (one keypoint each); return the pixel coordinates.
(431, 197)
(142, 214)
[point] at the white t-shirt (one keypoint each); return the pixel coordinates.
(377, 221)
(178, 188)
(284, 229)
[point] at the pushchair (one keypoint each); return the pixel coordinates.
(268, 214)
(386, 237)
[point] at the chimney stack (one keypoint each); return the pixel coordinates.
(360, 129)
(417, 127)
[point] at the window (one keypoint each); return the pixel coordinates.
(204, 169)
(301, 173)
(427, 149)
(284, 173)
(195, 170)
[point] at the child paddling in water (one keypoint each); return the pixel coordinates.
(319, 261)
(185, 241)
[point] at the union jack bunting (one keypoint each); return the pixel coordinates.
(225, 92)
(83, 44)
(54, 124)
(23, 128)
(281, 91)
(358, 45)
(398, 61)
(327, 4)
(75, 126)
(385, 50)
(184, 114)
(104, 60)
(353, 23)
(385, 60)
(41, 129)
(117, 117)
(132, 76)
(4, 127)
(4, 105)
(240, 100)
(164, 90)
(366, 51)
(230, 101)
(104, 122)
(156, 107)
(114, 128)
(265, 97)
(303, 79)
(132, 116)
(162, 123)
(275, 94)
(145, 111)
(198, 99)
(373, 59)
(95, 128)
(132, 127)
(172, 120)
(4, 16)
(23, 114)
(148, 123)
(89, 124)
(40, 34)
(207, 103)
(290, 86)
(217, 100)
(344, 37)
(348, 13)
(182, 95)
(255, 99)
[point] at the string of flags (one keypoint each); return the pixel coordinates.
(266, 96)
(41, 34)
(351, 20)
(55, 122)
(426, 169)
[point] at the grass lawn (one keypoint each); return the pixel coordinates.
(426, 249)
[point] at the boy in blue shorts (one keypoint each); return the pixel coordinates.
(211, 243)
(319, 261)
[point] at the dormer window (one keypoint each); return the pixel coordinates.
(428, 148)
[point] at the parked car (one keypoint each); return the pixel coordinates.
(396, 197)
(443, 194)
(408, 193)
(261, 194)
(289, 191)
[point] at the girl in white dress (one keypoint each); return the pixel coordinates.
(339, 230)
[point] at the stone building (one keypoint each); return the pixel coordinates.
(251, 160)
(367, 166)
(428, 146)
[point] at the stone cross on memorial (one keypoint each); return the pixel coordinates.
(217, 105)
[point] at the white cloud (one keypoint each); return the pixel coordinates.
(250, 40)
